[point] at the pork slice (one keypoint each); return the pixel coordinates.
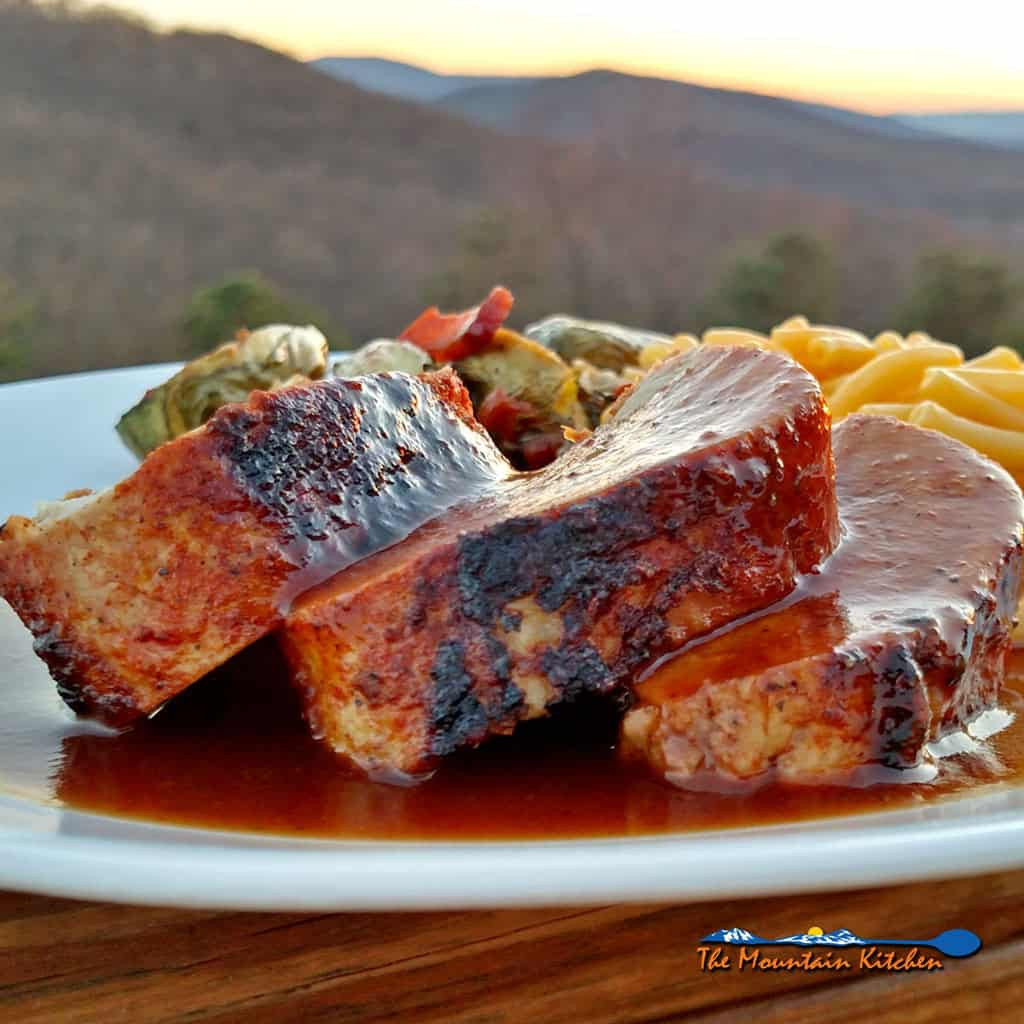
(703, 500)
(136, 592)
(900, 638)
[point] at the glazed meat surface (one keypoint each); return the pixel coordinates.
(134, 593)
(703, 500)
(901, 638)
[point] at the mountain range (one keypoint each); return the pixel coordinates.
(137, 166)
(490, 98)
(742, 937)
(997, 128)
(406, 81)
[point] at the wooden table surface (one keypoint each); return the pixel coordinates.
(66, 961)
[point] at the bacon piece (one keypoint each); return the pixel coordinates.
(447, 337)
(520, 430)
(502, 415)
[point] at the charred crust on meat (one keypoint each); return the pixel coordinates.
(512, 700)
(69, 692)
(510, 621)
(643, 630)
(574, 559)
(707, 571)
(491, 570)
(577, 669)
(64, 661)
(498, 654)
(314, 483)
(293, 473)
(457, 716)
(899, 696)
(571, 566)
(61, 659)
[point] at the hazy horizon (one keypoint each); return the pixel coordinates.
(888, 60)
(569, 72)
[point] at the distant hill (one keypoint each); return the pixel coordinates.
(406, 81)
(137, 166)
(997, 128)
(759, 141)
(756, 140)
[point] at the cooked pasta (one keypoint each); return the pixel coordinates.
(998, 358)
(1007, 385)
(825, 351)
(916, 378)
(736, 336)
(898, 410)
(890, 377)
(957, 394)
(888, 341)
(685, 342)
(1005, 446)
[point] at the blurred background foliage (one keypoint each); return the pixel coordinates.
(494, 238)
(763, 285)
(246, 300)
(966, 298)
(160, 190)
(21, 321)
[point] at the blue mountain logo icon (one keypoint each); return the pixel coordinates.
(957, 942)
(734, 937)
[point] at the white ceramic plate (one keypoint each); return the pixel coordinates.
(57, 435)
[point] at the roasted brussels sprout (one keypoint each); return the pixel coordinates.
(599, 388)
(524, 370)
(523, 394)
(604, 345)
(266, 359)
(380, 356)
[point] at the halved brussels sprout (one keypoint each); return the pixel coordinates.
(523, 394)
(524, 370)
(599, 388)
(381, 356)
(604, 345)
(269, 358)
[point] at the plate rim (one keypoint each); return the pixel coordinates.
(170, 865)
(64, 852)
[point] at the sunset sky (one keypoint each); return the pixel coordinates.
(878, 55)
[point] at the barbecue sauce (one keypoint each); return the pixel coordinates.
(233, 753)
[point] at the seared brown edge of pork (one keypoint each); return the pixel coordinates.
(883, 692)
(139, 590)
(432, 653)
